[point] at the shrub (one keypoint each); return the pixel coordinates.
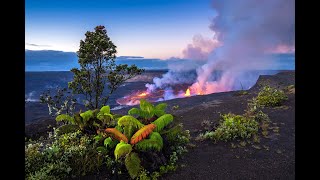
(231, 127)
(271, 97)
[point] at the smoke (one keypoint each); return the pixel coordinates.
(245, 32)
(247, 28)
(200, 48)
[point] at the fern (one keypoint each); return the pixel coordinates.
(104, 114)
(134, 111)
(65, 117)
(122, 149)
(172, 133)
(67, 128)
(147, 109)
(109, 143)
(87, 115)
(133, 166)
(119, 128)
(142, 133)
(105, 109)
(162, 121)
(155, 142)
(130, 121)
(130, 125)
(159, 110)
(117, 134)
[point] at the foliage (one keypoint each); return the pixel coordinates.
(162, 121)
(65, 156)
(271, 97)
(148, 111)
(132, 163)
(117, 134)
(129, 124)
(233, 126)
(59, 102)
(154, 141)
(142, 133)
(97, 55)
(67, 128)
(122, 149)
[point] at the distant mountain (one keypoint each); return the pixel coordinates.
(130, 57)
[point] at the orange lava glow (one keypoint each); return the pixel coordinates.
(142, 94)
(187, 92)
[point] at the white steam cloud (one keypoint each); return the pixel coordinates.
(244, 33)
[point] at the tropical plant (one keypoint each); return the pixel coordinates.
(88, 120)
(142, 138)
(148, 112)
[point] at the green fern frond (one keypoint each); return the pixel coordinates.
(134, 111)
(86, 115)
(105, 110)
(162, 121)
(147, 109)
(130, 121)
(65, 117)
(172, 133)
(129, 124)
(122, 149)
(109, 143)
(67, 128)
(133, 166)
(154, 141)
(159, 110)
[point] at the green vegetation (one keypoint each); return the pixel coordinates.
(247, 125)
(148, 112)
(89, 141)
(231, 127)
(271, 97)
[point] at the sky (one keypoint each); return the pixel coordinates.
(149, 28)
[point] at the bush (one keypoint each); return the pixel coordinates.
(231, 127)
(68, 155)
(270, 97)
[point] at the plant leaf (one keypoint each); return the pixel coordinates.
(86, 115)
(117, 134)
(109, 143)
(147, 109)
(65, 117)
(105, 110)
(133, 166)
(134, 111)
(162, 121)
(154, 141)
(142, 133)
(122, 149)
(159, 110)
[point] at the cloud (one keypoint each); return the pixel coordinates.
(37, 45)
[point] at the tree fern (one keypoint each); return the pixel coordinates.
(65, 117)
(122, 149)
(132, 163)
(162, 121)
(117, 134)
(86, 115)
(142, 133)
(130, 121)
(109, 143)
(172, 133)
(147, 109)
(159, 110)
(134, 111)
(154, 141)
(105, 109)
